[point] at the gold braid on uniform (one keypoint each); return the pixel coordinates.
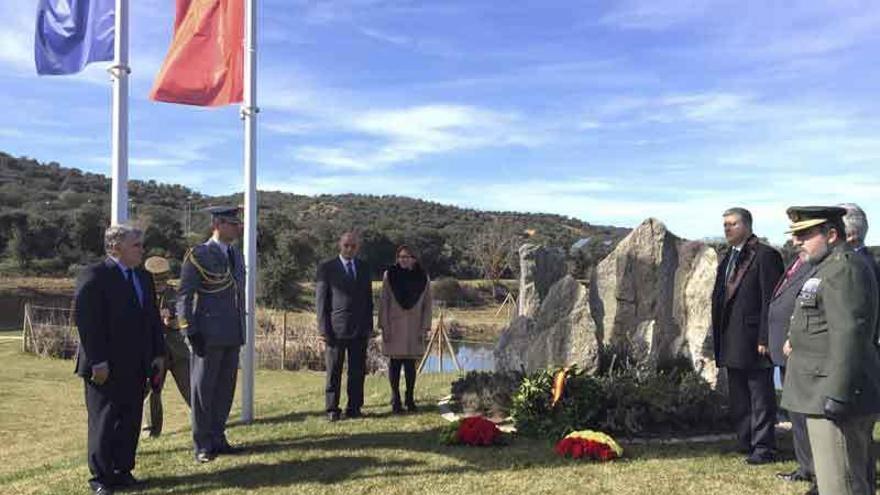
(212, 282)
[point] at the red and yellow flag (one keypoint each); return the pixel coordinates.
(205, 62)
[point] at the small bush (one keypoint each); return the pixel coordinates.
(630, 401)
(448, 291)
(579, 408)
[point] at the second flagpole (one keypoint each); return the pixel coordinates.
(119, 119)
(249, 115)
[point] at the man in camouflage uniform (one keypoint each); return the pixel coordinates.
(210, 308)
(833, 374)
(176, 352)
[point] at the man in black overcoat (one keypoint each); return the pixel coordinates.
(121, 346)
(744, 285)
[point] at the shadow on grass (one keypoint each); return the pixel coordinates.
(522, 451)
(254, 476)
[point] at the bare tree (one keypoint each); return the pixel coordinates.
(495, 248)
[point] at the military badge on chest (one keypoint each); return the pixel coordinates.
(810, 290)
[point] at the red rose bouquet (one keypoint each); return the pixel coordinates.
(474, 431)
(587, 444)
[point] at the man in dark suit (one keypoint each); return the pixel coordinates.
(743, 287)
(121, 345)
(779, 315)
(344, 303)
(855, 222)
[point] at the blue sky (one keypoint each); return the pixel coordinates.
(608, 111)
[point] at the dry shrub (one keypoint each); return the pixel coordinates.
(51, 332)
(305, 349)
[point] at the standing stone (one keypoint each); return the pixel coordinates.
(649, 301)
(561, 333)
(540, 268)
(651, 298)
(698, 314)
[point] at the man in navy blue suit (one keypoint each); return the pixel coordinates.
(344, 303)
(121, 346)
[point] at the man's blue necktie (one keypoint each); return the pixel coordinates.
(129, 274)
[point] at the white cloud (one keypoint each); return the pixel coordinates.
(379, 35)
(408, 134)
(656, 14)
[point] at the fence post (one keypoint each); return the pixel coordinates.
(24, 327)
(283, 340)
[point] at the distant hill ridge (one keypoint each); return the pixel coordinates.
(35, 196)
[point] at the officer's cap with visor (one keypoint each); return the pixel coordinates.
(806, 217)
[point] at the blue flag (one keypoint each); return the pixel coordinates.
(73, 33)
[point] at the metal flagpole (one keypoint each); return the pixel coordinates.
(249, 114)
(119, 72)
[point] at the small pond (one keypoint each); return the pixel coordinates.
(472, 356)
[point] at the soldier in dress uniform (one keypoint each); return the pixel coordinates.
(833, 374)
(210, 309)
(176, 352)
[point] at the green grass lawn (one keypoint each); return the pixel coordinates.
(292, 449)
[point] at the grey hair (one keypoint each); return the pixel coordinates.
(855, 221)
(742, 213)
(116, 234)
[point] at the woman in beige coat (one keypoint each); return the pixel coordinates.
(404, 318)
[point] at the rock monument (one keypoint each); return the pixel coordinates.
(649, 300)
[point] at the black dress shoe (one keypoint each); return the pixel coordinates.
(333, 416)
(204, 456)
(795, 475)
(353, 414)
(814, 490)
(99, 488)
(226, 449)
(411, 407)
(125, 480)
(758, 459)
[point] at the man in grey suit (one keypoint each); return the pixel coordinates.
(779, 315)
(344, 303)
(210, 308)
(856, 226)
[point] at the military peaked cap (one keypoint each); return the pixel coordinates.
(157, 265)
(228, 213)
(806, 217)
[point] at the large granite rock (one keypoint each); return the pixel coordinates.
(540, 268)
(651, 298)
(559, 334)
(649, 301)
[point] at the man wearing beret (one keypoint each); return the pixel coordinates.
(210, 310)
(176, 352)
(833, 372)
(744, 285)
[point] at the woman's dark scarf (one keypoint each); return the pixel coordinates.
(407, 285)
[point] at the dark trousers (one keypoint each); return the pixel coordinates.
(177, 360)
(357, 361)
(409, 370)
(114, 411)
(213, 378)
(800, 439)
(753, 409)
